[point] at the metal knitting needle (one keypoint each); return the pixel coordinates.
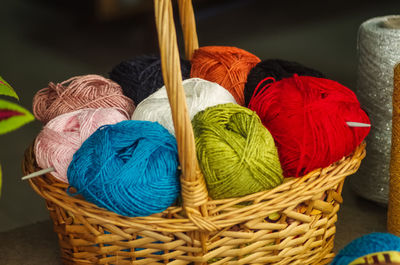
(38, 173)
(358, 124)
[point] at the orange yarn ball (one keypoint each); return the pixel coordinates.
(227, 66)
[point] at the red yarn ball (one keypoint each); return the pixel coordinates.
(307, 117)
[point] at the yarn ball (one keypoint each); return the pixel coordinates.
(62, 136)
(276, 68)
(368, 244)
(142, 76)
(200, 94)
(130, 168)
(227, 66)
(307, 116)
(236, 153)
(80, 92)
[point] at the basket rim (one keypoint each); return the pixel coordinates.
(222, 213)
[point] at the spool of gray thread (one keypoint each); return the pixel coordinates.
(378, 52)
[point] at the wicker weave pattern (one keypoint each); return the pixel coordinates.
(239, 232)
(201, 231)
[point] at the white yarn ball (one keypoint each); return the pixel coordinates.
(200, 94)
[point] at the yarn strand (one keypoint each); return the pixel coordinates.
(259, 85)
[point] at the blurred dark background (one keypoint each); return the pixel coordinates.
(53, 40)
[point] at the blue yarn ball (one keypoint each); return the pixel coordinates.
(130, 168)
(375, 242)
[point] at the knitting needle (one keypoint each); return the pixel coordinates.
(358, 124)
(38, 173)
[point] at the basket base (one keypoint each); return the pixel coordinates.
(291, 224)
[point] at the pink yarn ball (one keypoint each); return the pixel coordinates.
(80, 92)
(63, 136)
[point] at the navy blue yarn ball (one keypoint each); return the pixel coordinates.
(142, 76)
(130, 168)
(371, 243)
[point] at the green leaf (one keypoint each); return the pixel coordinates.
(6, 89)
(15, 121)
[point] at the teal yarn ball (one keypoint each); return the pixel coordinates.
(368, 244)
(130, 168)
(236, 153)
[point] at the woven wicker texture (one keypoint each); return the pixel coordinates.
(394, 193)
(201, 231)
(238, 230)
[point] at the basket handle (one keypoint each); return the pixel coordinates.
(194, 191)
(188, 23)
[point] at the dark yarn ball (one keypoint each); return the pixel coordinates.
(141, 76)
(277, 69)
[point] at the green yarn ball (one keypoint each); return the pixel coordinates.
(237, 154)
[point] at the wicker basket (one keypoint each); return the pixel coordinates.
(202, 231)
